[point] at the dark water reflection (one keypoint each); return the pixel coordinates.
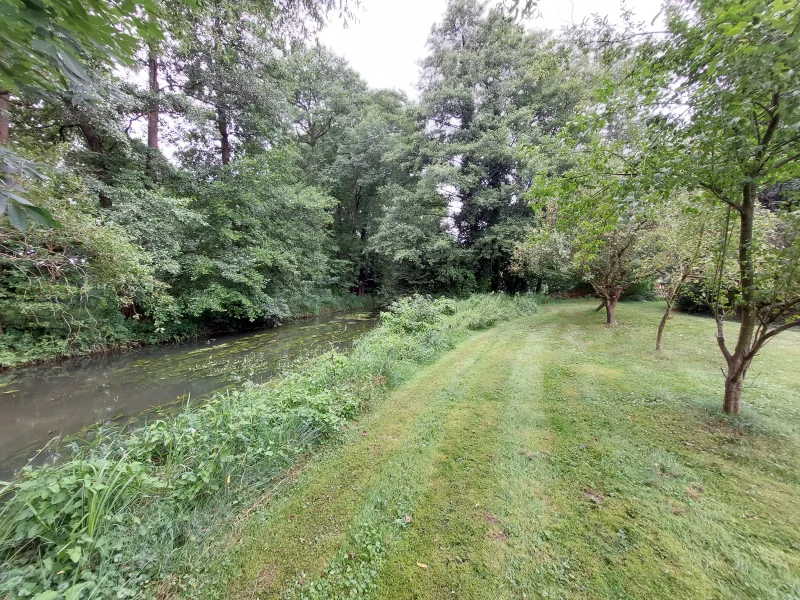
(40, 403)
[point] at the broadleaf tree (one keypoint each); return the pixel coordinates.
(720, 91)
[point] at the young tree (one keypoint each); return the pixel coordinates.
(721, 90)
(585, 192)
(608, 245)
(684, 239)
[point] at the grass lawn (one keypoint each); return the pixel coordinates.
(548, 457)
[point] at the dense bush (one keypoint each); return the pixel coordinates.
(693, 299)
(641, 290)
(126, 509)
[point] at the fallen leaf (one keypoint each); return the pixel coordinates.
(694, 492)
(408, 519)
(422, 565)
(594, 496)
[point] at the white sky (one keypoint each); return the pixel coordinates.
(388, 39)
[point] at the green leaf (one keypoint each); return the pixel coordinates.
(42, 216)
(17, 217)
(74, 592)
(48, 595)
(75, 554)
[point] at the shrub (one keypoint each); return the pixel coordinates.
(641, 290)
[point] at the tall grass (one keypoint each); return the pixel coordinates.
(132, 506)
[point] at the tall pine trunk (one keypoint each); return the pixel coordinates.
(4, 116)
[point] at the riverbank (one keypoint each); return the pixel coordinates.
(23, 353)
(140, 506)
(47, 407)
(548, 457)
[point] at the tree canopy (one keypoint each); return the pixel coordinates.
(246, 173)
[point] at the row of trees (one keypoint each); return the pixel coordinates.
(684, 165)
(210, 166)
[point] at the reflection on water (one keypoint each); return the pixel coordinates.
(42, 402)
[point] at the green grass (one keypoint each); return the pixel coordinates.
(548, 457)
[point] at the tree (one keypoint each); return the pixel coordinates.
(605, 245)
(414, 236)
(685, 237)
(604, 217)
(354, 164)
(324, 93)
(719, 88)
(545, 257)
(45, 48)
(262, 249)
(488, 87)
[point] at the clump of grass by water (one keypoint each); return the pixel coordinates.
(129, 508)
(484, 310)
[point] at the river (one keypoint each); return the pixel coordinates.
(42, 405)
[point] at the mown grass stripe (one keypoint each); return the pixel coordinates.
(455, 514)
(303, 531)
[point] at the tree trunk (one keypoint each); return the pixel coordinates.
(93, 141)
(611, 310)
(4, 116)
(225, 144)
(152, 116)
(740, 359)
(661, 326)
(2, 328)
(734, 382)
(602, 305)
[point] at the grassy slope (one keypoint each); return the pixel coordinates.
(548, 457)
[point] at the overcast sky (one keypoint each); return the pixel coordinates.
(388, 39)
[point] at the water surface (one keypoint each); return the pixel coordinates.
(41, 405)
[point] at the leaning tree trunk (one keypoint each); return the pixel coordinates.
(5, 97)
(661, 326)
(602, 305)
